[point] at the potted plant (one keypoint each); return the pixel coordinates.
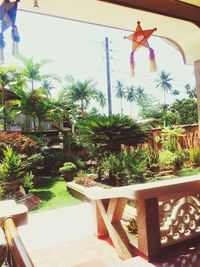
(68, 170)
(11, 168)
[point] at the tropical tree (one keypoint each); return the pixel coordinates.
(7, 76)
(103, 133)
(81, 92)
(177, 114)
(164, 82)
(191, 92)
(64, 112)
(47, 84)
(120, 93)
(131, 96)
(149, 107)
(140, 94)
(38, 105)
(32, 70)
(101, 99)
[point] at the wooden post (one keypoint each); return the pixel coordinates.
(100, 227)
(149, 243)
(108, 214)
(197, 76)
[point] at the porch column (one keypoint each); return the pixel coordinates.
(197, 76)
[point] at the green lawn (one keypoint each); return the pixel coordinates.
(189, 172)
(54, 195)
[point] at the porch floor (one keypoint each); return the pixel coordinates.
(64, 238)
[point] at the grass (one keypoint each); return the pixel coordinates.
(189, 172)
(54, 195)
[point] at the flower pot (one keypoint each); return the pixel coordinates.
(69, 176)
(11, 185)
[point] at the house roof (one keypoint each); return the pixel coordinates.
(177, 22)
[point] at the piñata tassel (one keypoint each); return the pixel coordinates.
(132, 63)
(153, 66)
(16, 40)
(2, 45)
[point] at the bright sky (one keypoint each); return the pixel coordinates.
(78, 49)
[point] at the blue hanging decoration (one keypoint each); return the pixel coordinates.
(8, 12)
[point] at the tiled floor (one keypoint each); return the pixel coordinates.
(64, 238)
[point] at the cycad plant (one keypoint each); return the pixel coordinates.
(103, 133)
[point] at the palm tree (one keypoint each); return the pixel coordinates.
(164, 82)
(101, 99)
(131, 96)
(47, 84)
(80, 91)
(120, 93)
(32, 70)
(140, 94)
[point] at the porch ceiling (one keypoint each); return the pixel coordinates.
(183, 35)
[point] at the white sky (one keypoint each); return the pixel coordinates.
(78, 49)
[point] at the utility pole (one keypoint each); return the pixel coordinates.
(108, 76)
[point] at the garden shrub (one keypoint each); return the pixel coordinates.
(53, 160)
(125, 167)
(19, 142)
(14, 169)
(194, 154)
(167, 159)
(27, 181)
(12, 166)
(67, 168)
(180, 157)
(34, 161)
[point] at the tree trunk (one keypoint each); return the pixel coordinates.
(197, 76)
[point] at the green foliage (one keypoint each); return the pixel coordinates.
(3, 192)
(83, 92)
(27, 181)
(183, 112)
(78, 162)
(167, 159)
(191, 92)
(194, 154)
(81, 173)
(68, 167)
(53, 160)
(180, 157)
(149, 107)
(125, 167)
(12, 165)
(152, 155)
(169, 138)
(34, 161)
(107, 133)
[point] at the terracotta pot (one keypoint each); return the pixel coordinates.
(69, 176)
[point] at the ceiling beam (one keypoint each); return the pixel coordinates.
(171, 8)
